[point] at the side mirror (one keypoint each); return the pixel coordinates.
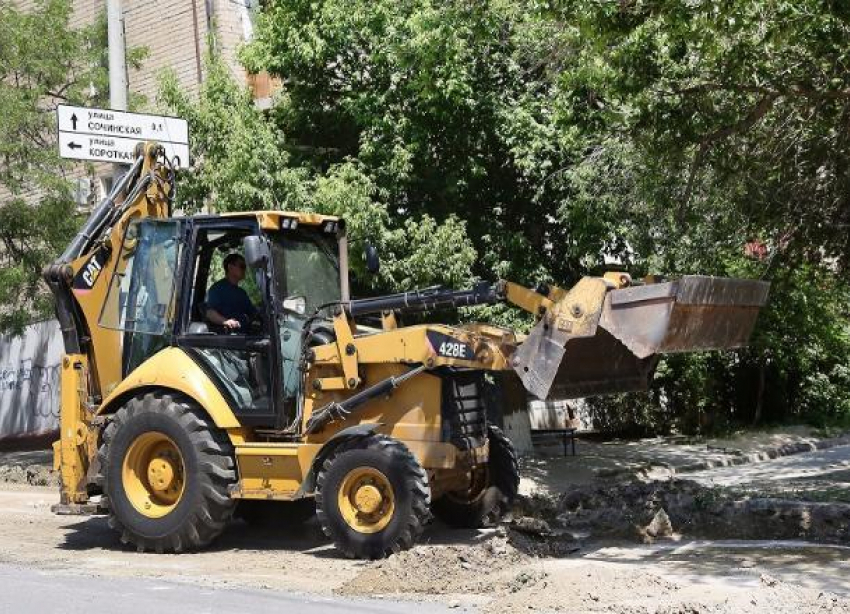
(373, 261)
(295, 304)
(256, 251)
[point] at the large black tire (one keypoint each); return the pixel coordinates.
(411, 496)
(204, 508)
(486, 506)
(276, 514)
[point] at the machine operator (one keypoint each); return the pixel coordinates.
(228, 304)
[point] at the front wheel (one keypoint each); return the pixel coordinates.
(492, 489)
(372, 497)
(166, 471)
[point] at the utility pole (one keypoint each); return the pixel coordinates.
(117, 67)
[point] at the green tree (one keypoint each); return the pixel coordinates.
(37, 71)
(443, 108)
(663, 135)
(242, 162)
(723, 123)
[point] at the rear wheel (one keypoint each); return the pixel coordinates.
(165, 471)
(492, 489)
(372, 497)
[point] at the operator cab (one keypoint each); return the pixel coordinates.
(296, 270)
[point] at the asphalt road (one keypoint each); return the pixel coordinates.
(30, 590)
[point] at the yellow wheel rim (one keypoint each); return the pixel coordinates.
(366, 500)
(153, 474)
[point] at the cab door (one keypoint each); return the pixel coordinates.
(140, 299)
(243, 364)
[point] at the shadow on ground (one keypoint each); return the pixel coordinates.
(94, 533)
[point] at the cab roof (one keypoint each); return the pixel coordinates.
(271, 220)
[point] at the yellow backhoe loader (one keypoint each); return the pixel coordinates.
(172, 425)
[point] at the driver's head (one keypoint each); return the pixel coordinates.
(234, 268)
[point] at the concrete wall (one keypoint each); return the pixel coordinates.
(545, 415)
(29, 381)
(514, 409)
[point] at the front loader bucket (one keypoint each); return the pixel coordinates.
(617, 348)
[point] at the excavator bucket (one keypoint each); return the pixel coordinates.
(619, 346)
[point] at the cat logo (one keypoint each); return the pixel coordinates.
(87, 276)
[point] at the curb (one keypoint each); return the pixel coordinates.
(788, 449)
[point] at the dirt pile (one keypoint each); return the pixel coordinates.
(498, 577)
(494, 565)
(35, 475)
(674, 508)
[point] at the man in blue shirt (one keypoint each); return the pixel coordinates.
(228, 305)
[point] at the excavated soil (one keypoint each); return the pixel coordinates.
(499, 577)
(528, 566)
(655, 510)
(492, 566)
(34, 475)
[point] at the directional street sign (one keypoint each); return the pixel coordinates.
(111, 136)
(112, 149)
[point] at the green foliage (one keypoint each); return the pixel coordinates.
(242, 163)
(732, 115)
(542, 141)
(662, 136)
(735, 111)
(37, 213)
(443, 106)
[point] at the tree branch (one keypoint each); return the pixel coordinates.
(760, 110)
(795, 91)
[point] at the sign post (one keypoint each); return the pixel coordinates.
(104, 135)
(117, 65)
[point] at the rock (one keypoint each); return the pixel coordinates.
(768, 580)
(531, 526)
(14, 474)
(660, 525)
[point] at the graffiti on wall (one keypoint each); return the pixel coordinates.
(29, 381)
(39, 382)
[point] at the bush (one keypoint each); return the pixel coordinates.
(797, 369)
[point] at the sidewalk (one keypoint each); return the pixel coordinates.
(548, 472)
